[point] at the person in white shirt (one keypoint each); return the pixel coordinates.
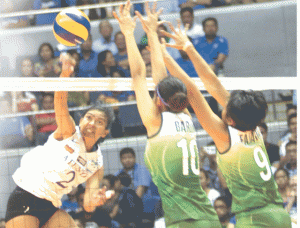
(106, 40)
(195, 30)
(70, 157)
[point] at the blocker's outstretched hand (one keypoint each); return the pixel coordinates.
(126, 22)
(179, 36)
(151, 23)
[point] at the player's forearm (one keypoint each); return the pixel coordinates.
(159, 71)
(136, 62)
(87, 202)
(61, 104)
(211, 82)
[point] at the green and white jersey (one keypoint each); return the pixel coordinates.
(173, 161)
(246, 168)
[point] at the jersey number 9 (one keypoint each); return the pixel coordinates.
(258, 152)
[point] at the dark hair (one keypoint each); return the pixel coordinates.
(45, 94)
(291, 142)
(112, 179)
(103, 107)
(284, 170)
(290, 106)
(114, 69)
(263, 125)
(187, 9)
(80, 190)
(291, 117)
(72, 52)
(125, 179)
(225, 200)
(247, 109)
(50, 47)
(205, 173)
(174, 93)
(118, 33)
(209, 19)
(101, 59)
(127, 150)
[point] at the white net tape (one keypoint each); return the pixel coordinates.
(125, 84)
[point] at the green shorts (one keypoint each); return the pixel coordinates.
(191, 223)
(271, 216)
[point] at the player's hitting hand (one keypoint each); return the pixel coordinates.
(179, 36)
(100, 196)
(126, 22)
(68, 64)
(151, 23)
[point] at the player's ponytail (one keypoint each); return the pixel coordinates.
(172, 93)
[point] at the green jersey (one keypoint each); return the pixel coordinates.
(246, 168)
(173, 161)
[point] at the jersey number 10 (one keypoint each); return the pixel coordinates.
(185, 158)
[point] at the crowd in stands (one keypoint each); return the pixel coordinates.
(100, 13)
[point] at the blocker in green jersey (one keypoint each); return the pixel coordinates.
(242, 156)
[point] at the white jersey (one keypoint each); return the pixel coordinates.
(52, 170)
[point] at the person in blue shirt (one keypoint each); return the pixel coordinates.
(44, 19)
(186, 64)
(121, 57)
(212, 48)
(88, 59)
(138, 173)
(195, 4)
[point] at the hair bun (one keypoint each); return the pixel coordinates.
(178, 102)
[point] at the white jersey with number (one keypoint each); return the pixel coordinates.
(52, 170)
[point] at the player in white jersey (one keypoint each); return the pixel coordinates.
(70, 157)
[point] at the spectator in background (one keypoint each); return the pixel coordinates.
(24, 101)
(106, 40)
(272, 149)
(211, 193)
(144, 39)
(187, 17)
(48, 66)
(130, 204)
(146, 55)
(289, 162)
(111, 206)
(138, 173)
(73, 204)
(106, 61)
(195, 30)
(121, 57)
(222, 207)
(282, 179)
(212, 48)
(291, 136)
(44, 19)
(46, 122)
(15, 132)
(291, 206)
(91, 13)
(88, 59)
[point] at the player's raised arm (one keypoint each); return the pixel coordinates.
(150, 26)
(210, 122)
(65, 123)
(137, 68)
(211, 82)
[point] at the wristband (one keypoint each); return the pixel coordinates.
(186, 45)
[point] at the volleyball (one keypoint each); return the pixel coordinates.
(71, 27)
